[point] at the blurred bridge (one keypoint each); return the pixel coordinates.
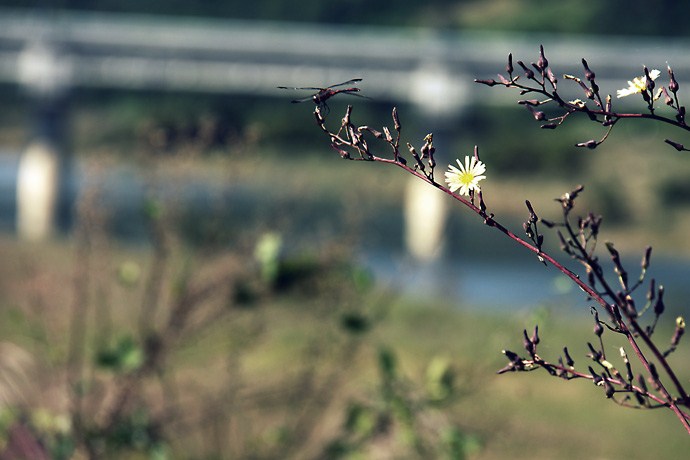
(50, 51)
(52, 54)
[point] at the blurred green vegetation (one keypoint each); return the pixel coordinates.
(327, 365)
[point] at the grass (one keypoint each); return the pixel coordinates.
(254, 363)
(532, 415)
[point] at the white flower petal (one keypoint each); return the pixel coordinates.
(467, 177)
(638, 84)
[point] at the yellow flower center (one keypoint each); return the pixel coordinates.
(466, 178)
(640, 84)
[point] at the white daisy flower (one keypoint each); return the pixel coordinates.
(467, 177)
(638, 84)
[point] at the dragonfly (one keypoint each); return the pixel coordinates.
(323, 94)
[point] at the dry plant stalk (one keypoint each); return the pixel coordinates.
(657, 385)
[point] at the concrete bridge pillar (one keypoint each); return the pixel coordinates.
(38, 185)
(45, 74)
(439, 98)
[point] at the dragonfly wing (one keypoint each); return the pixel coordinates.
(349, 82)
(351, 93)
(310, 88)
(304, 99)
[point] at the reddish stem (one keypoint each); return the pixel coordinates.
(668, 399)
